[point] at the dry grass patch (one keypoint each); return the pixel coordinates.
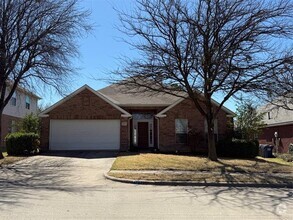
(150, 161)
(10, 159)
(276, 160)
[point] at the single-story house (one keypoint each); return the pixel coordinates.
(109, 119)
(278, 126)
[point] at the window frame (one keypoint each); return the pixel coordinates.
(183, 134)
(27, 102)
(13, 99)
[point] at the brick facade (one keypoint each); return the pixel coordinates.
(85, 105)
(196, 124)
(285, 133)
(6, 126)
(124, 134)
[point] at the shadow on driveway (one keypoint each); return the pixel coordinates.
(83, 154)
(278, 202)
(38, 176)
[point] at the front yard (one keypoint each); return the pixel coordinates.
(148, 166)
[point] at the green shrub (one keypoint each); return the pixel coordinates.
(22, 143)
(29, 124)
(238, 148)
(291, 149)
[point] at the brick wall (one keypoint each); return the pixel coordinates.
(84, 105)
(285, 132)
(124, 134)
(45, 132)
(196, 123)
(6, 127)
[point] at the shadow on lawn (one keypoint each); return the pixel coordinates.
(239, 174)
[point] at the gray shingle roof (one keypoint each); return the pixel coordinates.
(134, 97)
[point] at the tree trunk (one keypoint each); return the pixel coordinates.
(212, 155)
(1, 155)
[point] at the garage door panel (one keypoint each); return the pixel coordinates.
(84, 134)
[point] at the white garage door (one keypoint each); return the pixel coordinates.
(84, 134)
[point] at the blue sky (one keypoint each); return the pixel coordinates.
(100, 50)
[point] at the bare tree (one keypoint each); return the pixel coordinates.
(37, 42)
(208, 47)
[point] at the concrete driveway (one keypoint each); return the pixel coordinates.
(72, 186)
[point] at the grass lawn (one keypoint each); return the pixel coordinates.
(276, 160)
(226, 170)
(10, 159)
(149, 161)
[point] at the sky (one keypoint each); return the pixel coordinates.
(100, 50)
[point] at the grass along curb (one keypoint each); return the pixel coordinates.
(7, 160)
(196, 183)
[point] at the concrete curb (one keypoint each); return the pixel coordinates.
(194, 183)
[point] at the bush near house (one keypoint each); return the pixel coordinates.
(29, 124)
(22, 143)
(238, 148)
(285, 157)
(291, 148)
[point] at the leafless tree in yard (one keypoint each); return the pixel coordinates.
(206, 47)
(37, 42)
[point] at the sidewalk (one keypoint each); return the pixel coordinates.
(204, 178)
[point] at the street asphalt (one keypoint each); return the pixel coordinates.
(72, 186)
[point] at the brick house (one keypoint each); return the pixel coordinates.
(278, 121)
(21, 103)
(109, 119)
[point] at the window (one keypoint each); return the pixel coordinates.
(181, 129)
(13, 127)
(269, 115)
(13, 99)
(151, 133)
(135, 136)
(27, 102)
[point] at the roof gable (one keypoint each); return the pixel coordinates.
(106, 99)
(162, 113)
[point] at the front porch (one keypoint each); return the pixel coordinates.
(143, 130)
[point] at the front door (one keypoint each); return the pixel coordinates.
(143, 137)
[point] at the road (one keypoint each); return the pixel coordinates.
(72, 186)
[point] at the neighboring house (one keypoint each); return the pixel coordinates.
(278, 121)
(21, 103)
(110, 119)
